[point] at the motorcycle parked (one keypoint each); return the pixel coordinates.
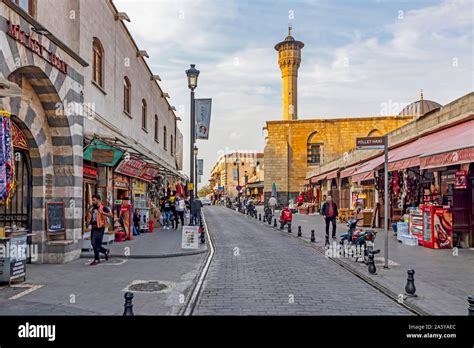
(268, 214)
(251, 210)
(360, 240)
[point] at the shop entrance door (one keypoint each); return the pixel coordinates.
(18, 211)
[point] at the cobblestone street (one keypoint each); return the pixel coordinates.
(256, 271)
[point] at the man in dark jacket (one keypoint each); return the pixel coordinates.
(329, 213)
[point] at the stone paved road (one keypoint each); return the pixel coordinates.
(256, 271)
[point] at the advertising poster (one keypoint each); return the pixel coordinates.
(190, 237)
(203, 118)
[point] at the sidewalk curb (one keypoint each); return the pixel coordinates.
(389, 293)
(156, 256)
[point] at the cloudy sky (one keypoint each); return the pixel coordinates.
(361, 58)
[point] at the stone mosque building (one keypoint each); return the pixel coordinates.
(294, 146)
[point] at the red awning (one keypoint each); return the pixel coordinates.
(329, 175)
(447, 158)
(348, 171)
(366, 171)
(450, 139)
(332, 174)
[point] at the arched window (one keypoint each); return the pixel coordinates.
(156, 129)
(98, 62)
(127, 93)
(164, 137)
(314, 149)
(144, 114)
(375, 133)
(172, 145)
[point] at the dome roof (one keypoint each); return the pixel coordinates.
(289, 38)
(419, 108)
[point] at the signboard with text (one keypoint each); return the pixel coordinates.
(370, 142)
(131, 167)
(190, 237)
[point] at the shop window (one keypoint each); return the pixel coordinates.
(127, 93)
(144, 114)
(28, 5)
(164, 138)
(314, 150)
(156, 128)
(98, 62)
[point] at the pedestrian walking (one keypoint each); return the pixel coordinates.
(196, 210)
(329, 212)
(180, 207)
(272, 202)
(173, 217)
(136, 223)
(166, 210)
(97, 218)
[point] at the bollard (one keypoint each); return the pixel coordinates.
(269, 219)
(128, 311)
(281, 225)
(410, 288)
(255, 216)
(275, 222)
(203, 238)
(313, 238)
(264, 218)
(259, 217)
(470, 310)
(327, 240)
(372, 269)
(289, 227)
(299, 231)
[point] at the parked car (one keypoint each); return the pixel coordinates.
(205, 201)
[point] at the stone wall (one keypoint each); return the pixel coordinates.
(286, 148)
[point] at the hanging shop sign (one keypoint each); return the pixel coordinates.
(149, 173)
(203, 117)
(460, 180)
(121, 182)
(16, 32)
(89, 172)
(131, 167)
(139, 187)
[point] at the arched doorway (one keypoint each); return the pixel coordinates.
(18, 211)
(345, 193)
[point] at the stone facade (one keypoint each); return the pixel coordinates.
(286, 151)
(223, 173)
(54, 132)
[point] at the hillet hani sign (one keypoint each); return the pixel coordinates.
(16, 32)
(371, 142)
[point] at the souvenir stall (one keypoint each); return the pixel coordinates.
(13, 237)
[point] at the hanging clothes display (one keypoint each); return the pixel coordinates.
(7, 163)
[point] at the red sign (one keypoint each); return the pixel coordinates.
(460, 180)
(16, 32)
(132, 167)
(149, 173)
(89, 171)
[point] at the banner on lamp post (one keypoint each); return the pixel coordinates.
(200, 166)
(203, 117)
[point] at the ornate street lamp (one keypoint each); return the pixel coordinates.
(192, 75)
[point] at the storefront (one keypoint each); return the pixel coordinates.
(46, 117)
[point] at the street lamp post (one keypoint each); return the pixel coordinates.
(196, 151)
(192, 75)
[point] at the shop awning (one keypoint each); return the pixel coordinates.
(449, 140)
(258, 184)
(447, 158)
(366, 171)
(348, 171)
(328, 175)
